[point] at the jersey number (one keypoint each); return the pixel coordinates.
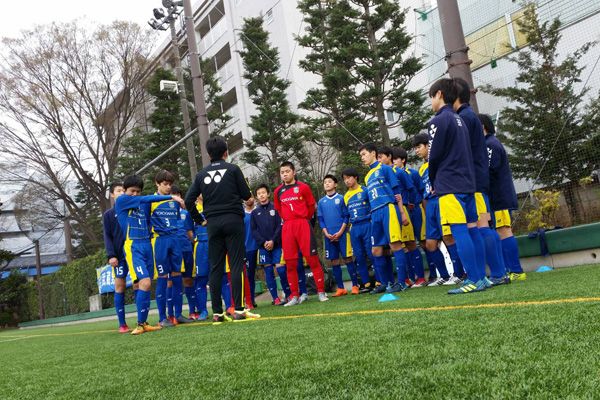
(374, 194)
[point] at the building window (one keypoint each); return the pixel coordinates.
(235, 143)
(389, 116)
(269, 16)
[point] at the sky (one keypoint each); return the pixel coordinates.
(102, 11)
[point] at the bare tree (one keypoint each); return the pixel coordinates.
(68, 97)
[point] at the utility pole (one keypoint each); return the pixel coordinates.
(197, 83)
(457, 55)
(38, 268)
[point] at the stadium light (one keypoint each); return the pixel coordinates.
(158, 13)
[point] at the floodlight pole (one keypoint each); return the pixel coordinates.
(189, 144)
(197, 82)
(457, 57)
(38, 268)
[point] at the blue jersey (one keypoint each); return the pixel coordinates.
(424, 173)
(164, 217)
(332, 213)
(478, 147)
(251, 244)
(450, 157)
(417, 182)
(502, 188)
(407, 188)
(382, 185)
(200, 232)
(357, 203)
(133, 214)
(184, 225)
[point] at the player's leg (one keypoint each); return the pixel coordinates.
(378, 241)
(216, 257)
(491, 240)
(251, 258)
(289, 246)
(413, 253)
(510, 249)
(266, 260)
(170, 306)
(476, 237)
(175, 262)
(393, 232)
(160, 247)
(202, 268)
(302, 277)
(188, 273)
(120, 273)
(308, 247)
(332, 255)
(347, 256)
(360, 256)
(142, 271)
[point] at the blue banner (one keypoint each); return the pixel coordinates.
(105, 278)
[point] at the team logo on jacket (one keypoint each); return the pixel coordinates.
(171, 204)
(359, 196)
(296, 190)
(337, 201)
(272, 213)
(214, 176)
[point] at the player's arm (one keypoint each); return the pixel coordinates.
(310, 200)
(396, 188)
(412, 191)
(190, 199)
(277, 234)
(242, 184)
(276, 202)
(260, 240)
(495, 157)
(188, 225)
(321, 220)
(436, 147)
(345, 219)
(108, 240)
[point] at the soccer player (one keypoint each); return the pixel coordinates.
(359, 216)
(452, 177)
(433, 228)
(113, 243)
(414, 261)
(185, 236)
(133, 214)
(295, 204)
(503, 199)
(223, 187)
(251, 249)
(333, 219)
(486, 240)
(265, 224)
(164, 219)
(387, 215)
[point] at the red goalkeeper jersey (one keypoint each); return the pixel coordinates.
(294, 201)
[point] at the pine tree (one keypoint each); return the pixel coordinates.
(167, 127)
(275, 137)
(214, 100)
(550, 128)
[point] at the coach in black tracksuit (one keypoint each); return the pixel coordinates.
(223, 187)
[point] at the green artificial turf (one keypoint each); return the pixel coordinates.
(515, 349)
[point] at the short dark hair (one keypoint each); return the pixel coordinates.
(399, 152)
(263, 186)
(113, 186)
(370, 147)
(175, 189)
(133, 181)
(385, 150)
(288, 164)
(332, 177)
(164, 176)
(216, 147)
(350, 171)
(487, 123)
(448, 89)
(463, 90)
(420, 138)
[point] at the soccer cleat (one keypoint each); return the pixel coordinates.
(183, 320)
(396, 287)
(173, 320)
(323, 297)
(292, 302)
(453, 280)
(378, 289)
(488, 284)
(437, 282)
(202, 316)
(250, 315)
(138, 330)
(421, 282)
(355, 290)
(193, 316)
(469, 286)
(277, 302)
(239, 316)
(408, 282)
(500, 281)
(166, 323)
(254, 305)
(230, 311)
(517, 276)
(340, 292)
(151, 328)
(303, 297)
(123, 329)
(218, 319)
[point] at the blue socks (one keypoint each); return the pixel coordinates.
(380, 264)
(337, 275)
(285, 286)
(492, 242)
(201, 292)
(120, 307)
(363, 270)
(271, 282)
(510, 250)
(177, 294)
(170, 312)
(142, 303)
(161, 297)
(417, 262)
(301, 278)
(479, 246)
(459, 271)
(410, 267)
(190, 295)
(466, 251)
(400, 259)
(436, 262)
(352, 271)
(226, 292)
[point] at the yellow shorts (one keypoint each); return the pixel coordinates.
(408, 232)
(458, 209)
(502, 218)
(481, 203)
(422, 233)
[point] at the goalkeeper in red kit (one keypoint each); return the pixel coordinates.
(296, 204)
